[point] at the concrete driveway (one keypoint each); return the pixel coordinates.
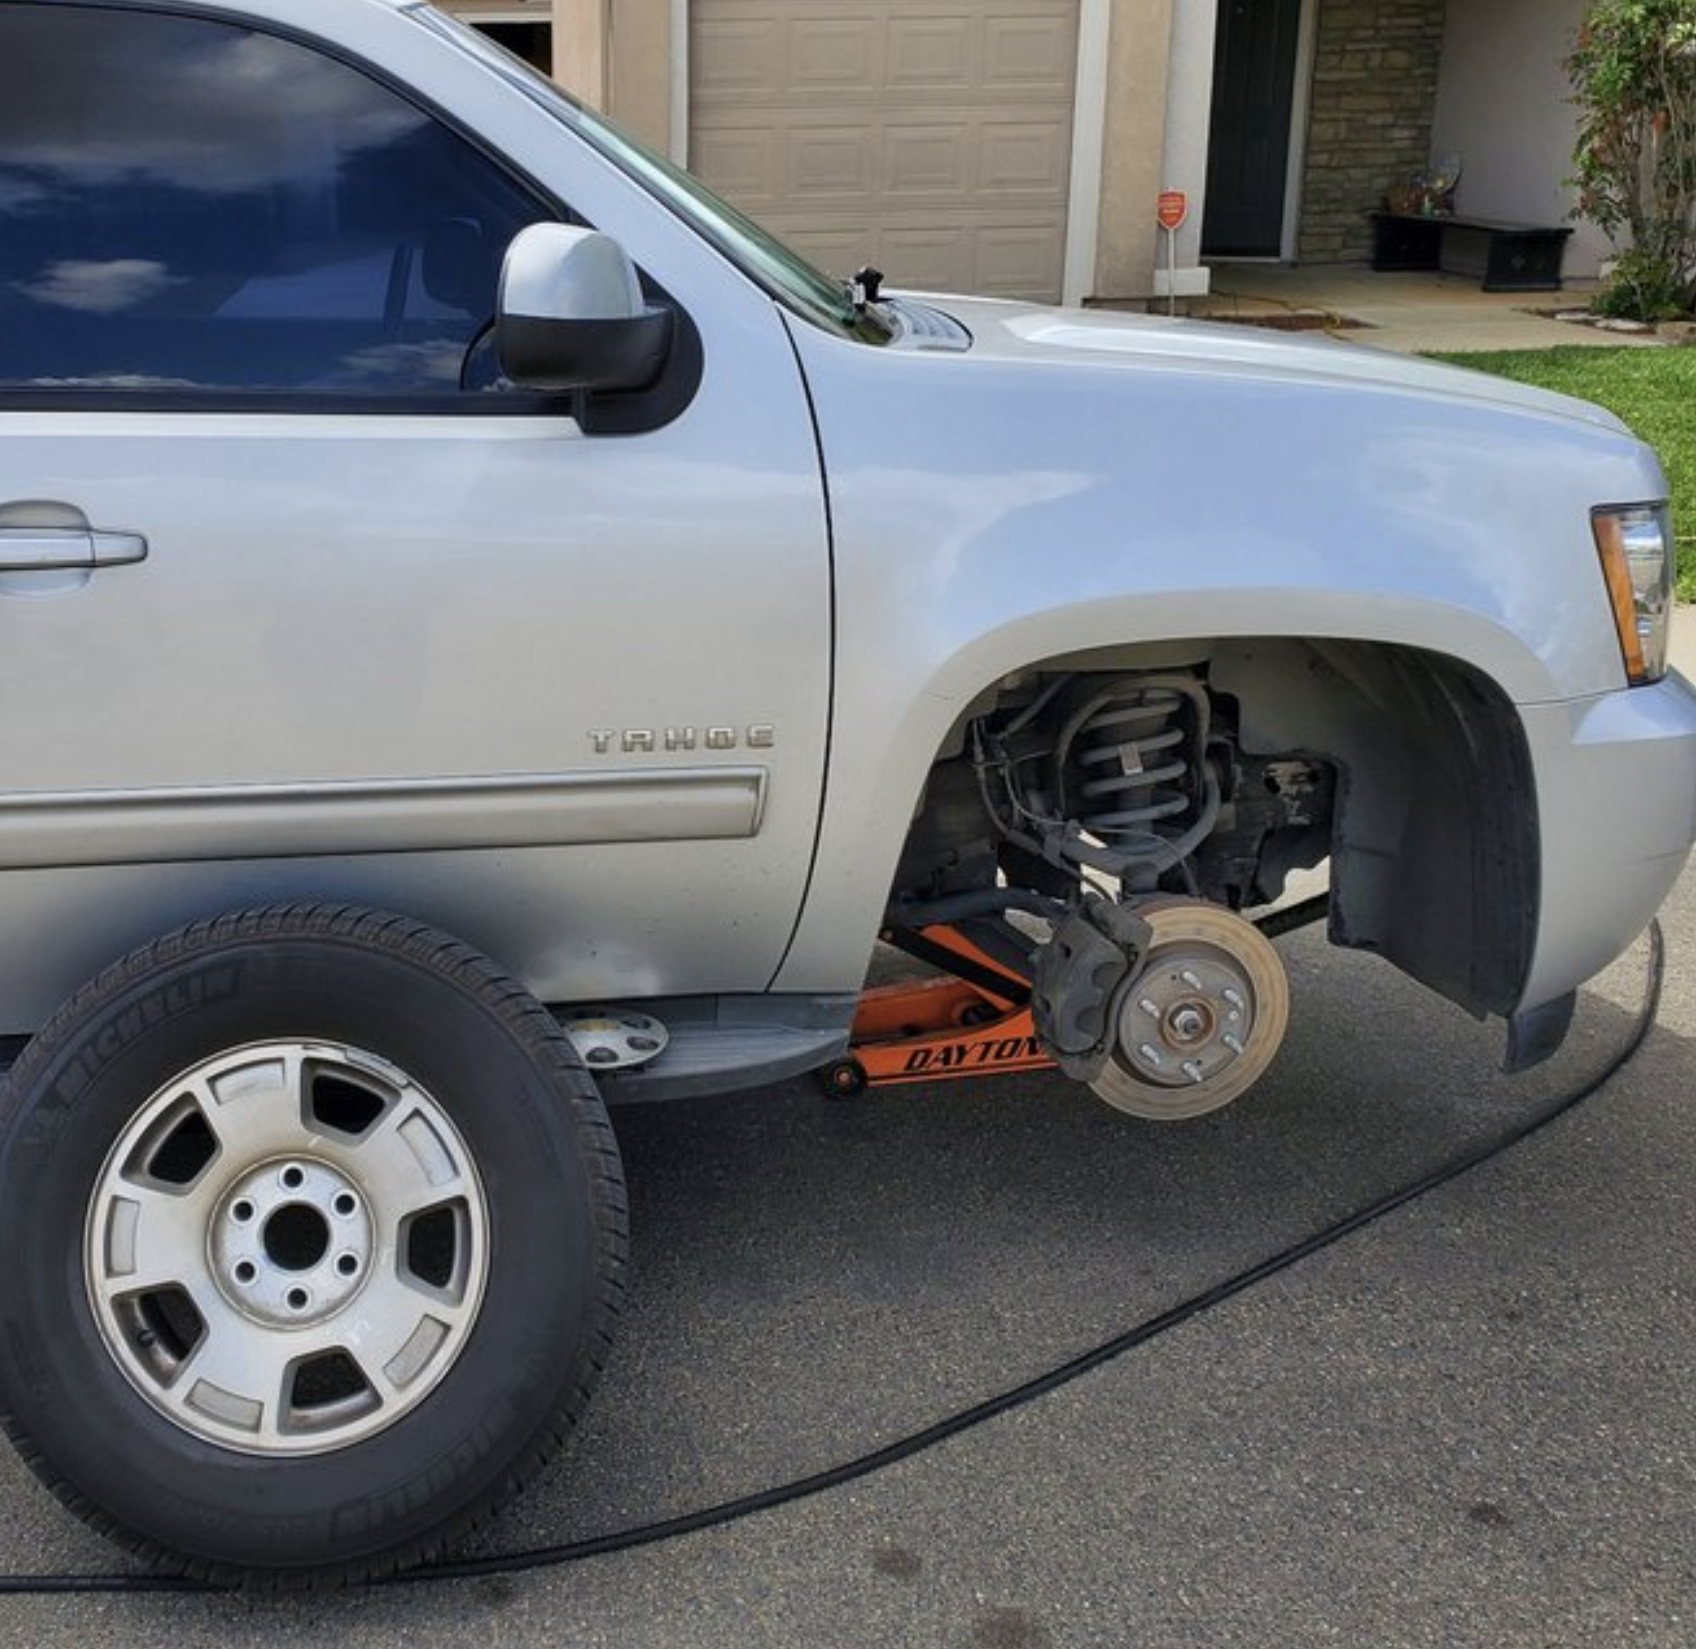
(1471, 1424)
(1408, 313)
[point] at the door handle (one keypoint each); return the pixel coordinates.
(67, 549)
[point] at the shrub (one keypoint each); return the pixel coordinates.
(1640, 289)
(1634, 73)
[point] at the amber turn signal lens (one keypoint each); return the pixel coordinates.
(1635, 545)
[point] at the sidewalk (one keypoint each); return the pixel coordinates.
(1683, 649)
(1408, 313)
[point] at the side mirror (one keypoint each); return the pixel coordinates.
(571, 314)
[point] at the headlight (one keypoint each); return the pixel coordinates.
(1635, 543)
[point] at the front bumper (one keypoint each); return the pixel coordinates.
(1616, 795)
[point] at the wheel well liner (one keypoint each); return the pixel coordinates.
(1435, 841)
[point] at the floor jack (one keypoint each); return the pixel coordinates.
(975, 1021)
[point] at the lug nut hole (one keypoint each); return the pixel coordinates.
(293, 1177)
(344, 1203)
(347, 1264)
(246, 1271)
(242, 1212)
(297, 1299)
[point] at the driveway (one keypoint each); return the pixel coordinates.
(1407, 313)
(1469, 1424)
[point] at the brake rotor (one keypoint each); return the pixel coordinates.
(1200, 1020)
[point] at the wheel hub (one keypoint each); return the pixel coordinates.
(291, 1242)
(1188, 1020)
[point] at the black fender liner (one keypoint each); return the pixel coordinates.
(1436, 848)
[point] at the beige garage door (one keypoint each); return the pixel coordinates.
(931, 138)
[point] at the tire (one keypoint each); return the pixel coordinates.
(400, 1176)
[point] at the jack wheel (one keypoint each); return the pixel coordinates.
(845, 1079)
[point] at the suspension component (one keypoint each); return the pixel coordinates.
(1131, 771)
(1202, 1017)
(1123, 786)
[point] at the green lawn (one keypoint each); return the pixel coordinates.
(1653, 390)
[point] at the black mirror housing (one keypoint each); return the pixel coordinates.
(560, 355)
(571, 315)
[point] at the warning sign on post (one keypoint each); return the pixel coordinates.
(1173, 209)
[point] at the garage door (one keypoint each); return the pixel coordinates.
(931, 138)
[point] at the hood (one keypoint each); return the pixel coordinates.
(1079, 335)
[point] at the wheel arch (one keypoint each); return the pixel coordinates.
(1436, 863)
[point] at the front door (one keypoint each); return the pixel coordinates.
(1254, 68)
(299, 600)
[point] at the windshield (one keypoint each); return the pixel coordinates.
(778, 268)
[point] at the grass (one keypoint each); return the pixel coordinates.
(1653, 390)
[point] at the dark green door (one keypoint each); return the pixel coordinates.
(1254, 82)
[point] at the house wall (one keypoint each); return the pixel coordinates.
(619, 58)
(639, 67)
(618, 55)
(1189, 108)
(1139, 59)
(1374, 95)
(1503, 105)
(582, 49)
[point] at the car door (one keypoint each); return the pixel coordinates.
(299, 599)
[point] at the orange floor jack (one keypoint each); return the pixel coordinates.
(975, 1021)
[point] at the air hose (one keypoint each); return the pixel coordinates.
(891, 1454)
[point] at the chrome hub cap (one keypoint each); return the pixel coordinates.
(287, 1247)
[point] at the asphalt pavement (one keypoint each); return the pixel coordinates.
(1471, 1423)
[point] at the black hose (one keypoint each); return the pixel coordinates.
(833, 1477)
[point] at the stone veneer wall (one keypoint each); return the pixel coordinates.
(1369, 118)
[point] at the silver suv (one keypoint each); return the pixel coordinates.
(424, 512)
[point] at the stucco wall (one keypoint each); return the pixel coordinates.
(1139, 59)
(1503, 106)
(1189, 107)
(1369, 120)
(580, 49)
(617, 55)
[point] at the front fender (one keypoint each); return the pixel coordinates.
(989, 514)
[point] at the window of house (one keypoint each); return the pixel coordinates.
(190, 205)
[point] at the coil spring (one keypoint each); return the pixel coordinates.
(1137, 749)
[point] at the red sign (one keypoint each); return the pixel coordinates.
(1174, 207)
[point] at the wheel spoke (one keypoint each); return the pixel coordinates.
(401, 1330)
(444, 1301)
(152, 1237)
(236, 1375)
(255, 1107)
(408, 1163)
(233, 1354)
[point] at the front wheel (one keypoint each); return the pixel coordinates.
(317, 1232)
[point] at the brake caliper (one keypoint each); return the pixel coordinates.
(1076, 979)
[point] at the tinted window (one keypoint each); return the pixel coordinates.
(189, 205)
